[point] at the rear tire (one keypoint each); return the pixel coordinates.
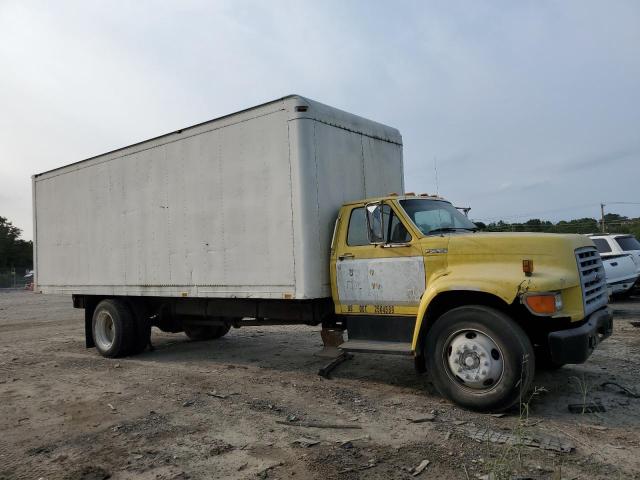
(113, 329)
(479, 358)
(206, 332)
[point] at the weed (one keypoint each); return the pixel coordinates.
(583, 388)
(510, 457)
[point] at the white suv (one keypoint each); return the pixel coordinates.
(621, 257)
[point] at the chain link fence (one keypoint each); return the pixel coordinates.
(15, 277)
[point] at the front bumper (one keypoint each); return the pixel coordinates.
(575, 345)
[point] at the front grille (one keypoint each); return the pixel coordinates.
(592, 279)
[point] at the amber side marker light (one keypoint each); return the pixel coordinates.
(527, 267)
(545, 304)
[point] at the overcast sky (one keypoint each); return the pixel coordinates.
(528, 108)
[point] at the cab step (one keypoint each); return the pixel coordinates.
(372, 346)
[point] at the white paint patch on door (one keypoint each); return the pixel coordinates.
(381, 281)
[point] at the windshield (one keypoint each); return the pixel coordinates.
(436, 216)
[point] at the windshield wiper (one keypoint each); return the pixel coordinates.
(450, 229)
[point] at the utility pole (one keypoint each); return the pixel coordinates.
(602, 217)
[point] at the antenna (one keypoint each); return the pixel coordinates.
(602, 205)
(435, 168)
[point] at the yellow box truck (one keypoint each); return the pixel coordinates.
(285, 214)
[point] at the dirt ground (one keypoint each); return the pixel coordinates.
(235, 408)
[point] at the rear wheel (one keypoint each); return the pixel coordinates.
(113, 328)
(206, 332)
(479, 358)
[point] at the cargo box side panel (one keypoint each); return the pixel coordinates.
(335, 166)
(326, 173)
(206, 215)
(61, 242)
(383, 167)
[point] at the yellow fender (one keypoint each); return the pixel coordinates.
(503, 286)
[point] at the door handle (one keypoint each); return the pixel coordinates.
(344, 256)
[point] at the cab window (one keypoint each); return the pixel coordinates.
(358, 235)
(602, 245)
(628, 243)
(397, 231)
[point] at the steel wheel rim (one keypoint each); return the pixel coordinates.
(473, 360)
(105, 330)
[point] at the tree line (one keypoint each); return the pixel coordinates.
(14, 251)
(613, 223)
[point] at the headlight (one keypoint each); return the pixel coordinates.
(543, 303)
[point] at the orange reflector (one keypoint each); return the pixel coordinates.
(541, 303)
(527, 267)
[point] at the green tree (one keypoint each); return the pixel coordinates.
(614, 223)
(14, 252)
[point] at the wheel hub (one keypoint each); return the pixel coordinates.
(105, 330)
(474, 359)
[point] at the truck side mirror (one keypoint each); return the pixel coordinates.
(375, 223)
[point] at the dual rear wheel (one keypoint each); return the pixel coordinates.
(119, 330)
(114, 329)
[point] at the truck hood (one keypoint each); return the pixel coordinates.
(500, 255)
(518, 243)
(492, 263)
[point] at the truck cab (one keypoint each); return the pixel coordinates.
(411, 275)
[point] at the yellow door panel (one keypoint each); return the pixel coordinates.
(370, 279)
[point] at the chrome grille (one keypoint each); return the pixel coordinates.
(592, 279)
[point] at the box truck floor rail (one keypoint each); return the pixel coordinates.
(294, 212)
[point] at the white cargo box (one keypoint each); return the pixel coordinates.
(241, 206)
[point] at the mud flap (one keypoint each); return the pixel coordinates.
(88, 328)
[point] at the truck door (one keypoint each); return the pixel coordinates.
(384, 279)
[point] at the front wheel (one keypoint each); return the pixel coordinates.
(479, 358)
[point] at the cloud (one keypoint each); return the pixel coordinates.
(519, 102)
(601, 160)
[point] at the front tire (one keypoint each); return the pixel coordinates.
(479, 358)
(113, 329)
